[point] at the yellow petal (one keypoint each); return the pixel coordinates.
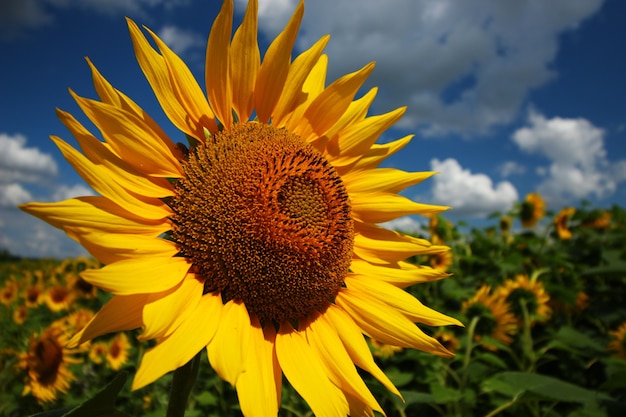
(275, 67)
(385, 324)
(245, 62)
(259, 387)
(312, 87)
(299, 70)
(389, 180)
(138, 275)
(349, 145)
(401, 275)
(122, 312)
(218, 65)
(96, 214)
(356, 346)
(383, 207)
(122, 172)
(163, 313)
(99, 178)
(400, 300)
(112, 247)
(328, 107)
(228, 350)
(112, 96)
(188, 110)
(382, 246)
(356, 112)
(376, 155)
(189, 338)
(305, 372)
(131, 138)
(327, 345)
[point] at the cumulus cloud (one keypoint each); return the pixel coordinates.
(471, 195)
(579, 167)
(19, 162)
(509, 168)
(13, 194)
(404, 224)
(18, 16)
(462, 67)
(180, 40)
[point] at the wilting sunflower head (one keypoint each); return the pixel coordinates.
(259, 239)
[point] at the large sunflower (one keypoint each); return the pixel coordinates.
(259, 240)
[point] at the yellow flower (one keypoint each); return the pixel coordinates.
(58, 298)
(117, 353)
(529, 291)
(495, 319)
(9, 291)
(617, 345)
(561, 223)
(440, 261)
(47, 364)
(260, 241)
(533, 209)
(505, 225)
(384, 350)
(34, 294)
(20, 314)
(448, 339)
(98, 351)
(598, 220)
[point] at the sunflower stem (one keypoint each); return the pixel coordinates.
(182, 382)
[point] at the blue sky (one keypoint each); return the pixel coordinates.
(505, 98)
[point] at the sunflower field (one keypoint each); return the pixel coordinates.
(541, 295)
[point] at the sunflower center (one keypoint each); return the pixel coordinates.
(265, 219)
(47, 359)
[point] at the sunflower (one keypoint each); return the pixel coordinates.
(617, 345)
(20, 314)
(560, 222)
(47, 364)
(118, 350)
(448, 339)
(98, 351)
(440, 261)
(532, 210)
(384, 350)
(59, 297)
(495, 319)
(34, 294)
(529, 291)
(9, 291)
(258, 240)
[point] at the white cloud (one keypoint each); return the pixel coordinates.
(180, 40)
(13, 194)
(404, 224)
(461, 66)
(472, 195)
(579, 167)
(64, 192)
(21, 163)
(511, 168)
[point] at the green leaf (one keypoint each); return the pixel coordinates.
(443, 394)
(516, 383)
(103, 403)
(414, 397)
(568, 338)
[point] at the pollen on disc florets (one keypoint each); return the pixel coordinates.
(265, 219)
